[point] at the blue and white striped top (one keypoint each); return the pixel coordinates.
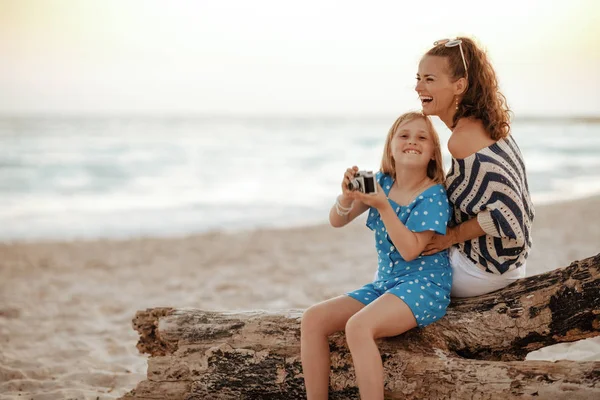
(491, 185)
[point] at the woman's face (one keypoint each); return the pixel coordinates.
(436, 90)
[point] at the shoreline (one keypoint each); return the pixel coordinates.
(583, 199)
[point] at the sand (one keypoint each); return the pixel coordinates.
(66, 307)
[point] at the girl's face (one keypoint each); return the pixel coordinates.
(436, 90)
(412, 144)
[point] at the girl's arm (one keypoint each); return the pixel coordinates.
(358, 207)
(346, 201)
(409, 244)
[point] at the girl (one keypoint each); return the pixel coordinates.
(409, 289)
(490, 237)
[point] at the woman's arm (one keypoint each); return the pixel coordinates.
(507, 212)
(460, 233)
(466, 231)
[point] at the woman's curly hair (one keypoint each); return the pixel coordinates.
(482, 99)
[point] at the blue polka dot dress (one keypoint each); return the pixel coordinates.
(424, 283)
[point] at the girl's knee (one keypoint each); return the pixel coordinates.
(357, 330)
(313, 320)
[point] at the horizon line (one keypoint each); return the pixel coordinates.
(239, 115)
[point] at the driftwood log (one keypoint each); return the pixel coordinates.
(476, 351)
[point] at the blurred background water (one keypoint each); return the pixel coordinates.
(85, 177)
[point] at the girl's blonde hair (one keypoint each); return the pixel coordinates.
(435, 168)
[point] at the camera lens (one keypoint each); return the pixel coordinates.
(354, 184)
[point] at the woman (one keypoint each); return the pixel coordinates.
(489, 240)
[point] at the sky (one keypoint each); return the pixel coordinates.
(308, 58)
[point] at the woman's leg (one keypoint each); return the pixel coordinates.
(385, 317)
(318, 322)
(469, 281)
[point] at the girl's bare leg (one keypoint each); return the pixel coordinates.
(318, 322)
(385, 317)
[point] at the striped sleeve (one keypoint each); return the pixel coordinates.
(503, 218)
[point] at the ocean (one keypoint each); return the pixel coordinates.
(65, 178)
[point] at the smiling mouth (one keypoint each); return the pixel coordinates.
(426, 99)
(411, 151)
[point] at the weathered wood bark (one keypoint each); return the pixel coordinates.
(476, 352)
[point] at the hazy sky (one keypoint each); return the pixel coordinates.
(282, 57)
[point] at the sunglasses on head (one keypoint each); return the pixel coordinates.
(453, 43)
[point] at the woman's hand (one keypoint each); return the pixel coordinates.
(439, 243)
(377, 200)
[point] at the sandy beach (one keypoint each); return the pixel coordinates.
(66, 307)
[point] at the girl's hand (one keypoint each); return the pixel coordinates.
(438, 243)
(377, 200)
(348, 176)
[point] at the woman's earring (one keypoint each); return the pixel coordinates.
(457, 103)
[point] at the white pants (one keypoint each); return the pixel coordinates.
(469, 281)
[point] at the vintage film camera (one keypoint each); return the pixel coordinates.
(363, 181)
